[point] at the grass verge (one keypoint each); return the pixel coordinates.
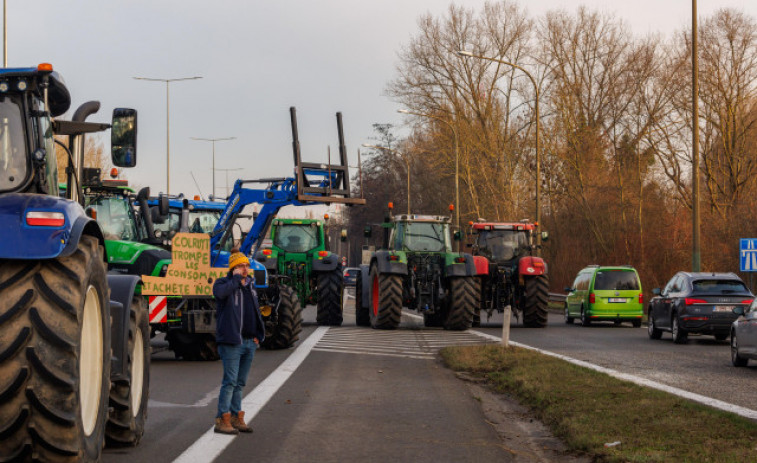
(587, 409)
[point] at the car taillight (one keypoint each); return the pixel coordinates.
(747, 301)
(641, 298)
(690, 301)
(45, 219)
(592, 298)
(323, 253)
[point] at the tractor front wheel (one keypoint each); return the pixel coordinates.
(462, 303)
(385, 301)
(55, 356)
(128, 399)
(286, 330)
(330, 298)
(535, 301)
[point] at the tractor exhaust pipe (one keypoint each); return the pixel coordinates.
(142, 198)
(342, 152)
(76, 146)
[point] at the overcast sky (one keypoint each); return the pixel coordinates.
(257, 58)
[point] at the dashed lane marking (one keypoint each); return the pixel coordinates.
(417, 344)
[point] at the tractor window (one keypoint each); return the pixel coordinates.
(502, 245)
(13, 159)
(203, 221)
(114, 217)
(424, 236)
(296, 238)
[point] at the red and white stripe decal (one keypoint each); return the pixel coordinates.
(158, 309)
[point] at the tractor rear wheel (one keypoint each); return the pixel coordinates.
(536, 299)
(288, 325)
(55, 356)
(462, 303)
(362, 318)
(128, 399)
(192, 347)
(330, 298)
(385, 301)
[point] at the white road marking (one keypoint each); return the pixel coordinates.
(715, 403)
(412, 315)
(210, 444)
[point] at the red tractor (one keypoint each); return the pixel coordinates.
(509, 272)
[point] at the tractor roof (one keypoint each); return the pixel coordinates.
(58, 97)
(296, 221)
(504, 226)
(421, 218)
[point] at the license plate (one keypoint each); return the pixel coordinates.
(723, 308)
(616, 299)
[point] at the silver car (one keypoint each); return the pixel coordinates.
(744, 335)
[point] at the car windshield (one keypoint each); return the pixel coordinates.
(114, 217)
(296, 238)
(719, 286)
(502, 245)
(13, 159)
(425, 236)
(616, 280)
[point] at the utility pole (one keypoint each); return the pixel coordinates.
(696, 251)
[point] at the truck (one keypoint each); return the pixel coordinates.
(417, 269)
(74, 352)
(510, 273)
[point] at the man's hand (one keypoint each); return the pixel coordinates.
(255, 340)
(237, 270)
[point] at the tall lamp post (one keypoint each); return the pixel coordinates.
(457, 162)
(696, 251)
(168, 136)
(213, 141)
(227, 178)
(538, 155)
(407, 162)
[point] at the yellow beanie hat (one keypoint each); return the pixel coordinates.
(237, 258)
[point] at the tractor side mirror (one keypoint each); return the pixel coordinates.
(367, 232)
(123, 137)
(656, 291)
(163, 205)
(343, 235)
(544, 236)
(457, 236)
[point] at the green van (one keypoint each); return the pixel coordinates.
(605, 294)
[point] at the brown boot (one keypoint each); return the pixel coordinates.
(223, 425)
(239, 423)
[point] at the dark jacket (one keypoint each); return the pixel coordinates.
(237, 311)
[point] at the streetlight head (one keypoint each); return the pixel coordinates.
(464, 53)
(403, 111)
(366, 145)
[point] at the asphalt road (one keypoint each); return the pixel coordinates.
(372, 395)
(703, 365)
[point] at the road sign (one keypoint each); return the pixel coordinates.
(748, 254)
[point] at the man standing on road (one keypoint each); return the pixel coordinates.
(239, 332)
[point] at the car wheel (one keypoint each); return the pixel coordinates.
(736, 359)
(568, 318)
(680, 336)
(652, 330)
(585, 320)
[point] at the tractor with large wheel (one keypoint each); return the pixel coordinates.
(74, 346)
(419, 270)
(299, 250)
(509, 272)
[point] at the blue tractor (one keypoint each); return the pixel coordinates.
(74, 350)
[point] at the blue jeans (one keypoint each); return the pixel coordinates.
(237, 361)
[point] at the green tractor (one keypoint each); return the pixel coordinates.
(299, 251)
(417, 269)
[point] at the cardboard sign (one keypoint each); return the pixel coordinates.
(189, 273)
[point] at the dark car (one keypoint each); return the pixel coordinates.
(350, 276)
(697, 303)
(744, 335)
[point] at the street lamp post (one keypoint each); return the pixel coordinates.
(538, 155)
(457, 162)
(407, 163)
(213, 141)
(168, 136)
(696, 251)
(227, 178)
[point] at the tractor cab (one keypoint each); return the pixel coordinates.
(503, 243)
(421, 233)
(111, 203)
(298, 236)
